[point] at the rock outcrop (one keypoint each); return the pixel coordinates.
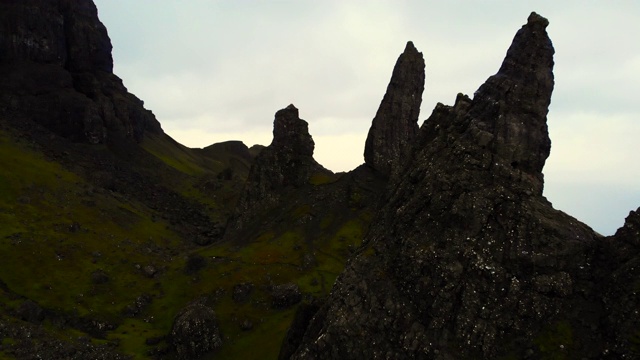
(466, 258)
(395, 125)
(195, 332)
(286, 164)
(56, 66)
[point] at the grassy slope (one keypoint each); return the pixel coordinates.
(57, 229)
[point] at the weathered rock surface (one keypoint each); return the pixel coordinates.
(285, 295)
(56, 66)
(242, 292)
(395, 125)
(286, 164)
(33, 342)
(195, 332)
(467, 259)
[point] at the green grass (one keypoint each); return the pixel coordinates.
(58, 229)
(556, 342)
(174, 155)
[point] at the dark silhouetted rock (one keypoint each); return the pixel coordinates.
(619, 266)
(30, 311)
(195, 332)
(286, 164)
(395, 125)
(246, 325)
(301, 320)
(285, 295)
(56, 66)
(99, 277)
(242, 292)
(194, 263)
(466, 258)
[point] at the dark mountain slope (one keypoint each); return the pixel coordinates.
(110, 228)
(466, 258)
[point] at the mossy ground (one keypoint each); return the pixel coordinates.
(58, 228)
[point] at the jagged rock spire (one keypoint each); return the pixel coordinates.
(466, 258)
(395, 124)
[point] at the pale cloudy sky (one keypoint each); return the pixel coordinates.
(218, 70)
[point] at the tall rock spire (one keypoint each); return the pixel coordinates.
(466, 258)
(395, 124)
(513, 104)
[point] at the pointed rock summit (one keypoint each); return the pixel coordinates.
(291, 134)
(395, 124)
(513, 104)
(286, 164)
(466, 259)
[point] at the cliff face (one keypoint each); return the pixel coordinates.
(466, 258)
(56, 65)
(395, 125)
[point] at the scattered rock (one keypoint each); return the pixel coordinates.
(242, 292)
(246, 325)
(194, 263)
(134, 309)
(99, 277)
(149, 271)
(30, 311)
(285, 295)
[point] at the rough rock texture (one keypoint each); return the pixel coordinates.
(619, 262)
(56, 66)
(286, 164)
(33, 342)
(242, 292)
(301, 320)
(395, 125)
(285, 295)
(467, 259)
(195, 332)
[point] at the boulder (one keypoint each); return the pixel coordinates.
(195, 332)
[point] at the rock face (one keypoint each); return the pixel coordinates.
(56, 66)
(467, 259)
(286, 164)
(195, 332)
(395, 124)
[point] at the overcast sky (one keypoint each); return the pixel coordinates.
(213, 71)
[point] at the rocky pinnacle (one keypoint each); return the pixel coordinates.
(395, 124)
(466, 259)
